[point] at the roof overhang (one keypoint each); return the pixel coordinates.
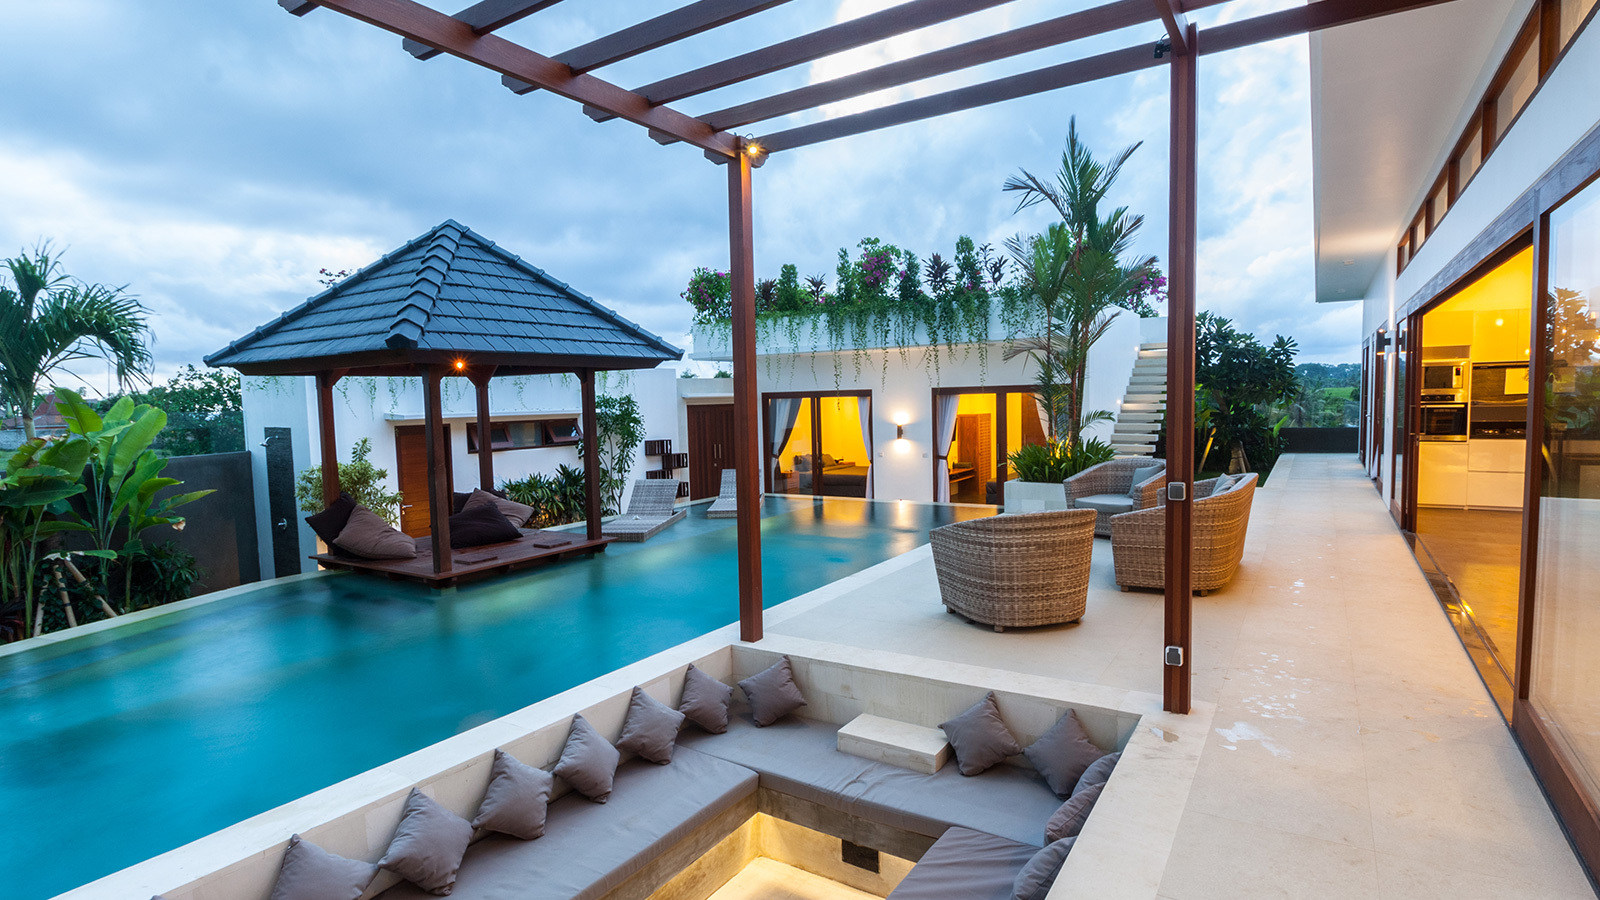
(1387, 96)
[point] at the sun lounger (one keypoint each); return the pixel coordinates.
(726, 506)
(650, 509)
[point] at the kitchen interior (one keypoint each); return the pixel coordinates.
(1472, 446)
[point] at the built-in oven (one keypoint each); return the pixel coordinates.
(1444, 422)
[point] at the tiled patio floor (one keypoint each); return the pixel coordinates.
(1355, 752)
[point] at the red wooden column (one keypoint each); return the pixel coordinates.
(480, 381)
(440, 499)
(1181, 237)
(330, 446)
(591, 456)
(746, 433)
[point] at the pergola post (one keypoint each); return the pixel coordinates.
(330, 447)
(440, 499)
(746, 434)
(480, 381)
(1181, 237)
(591, 456)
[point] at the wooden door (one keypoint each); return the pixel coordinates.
(710, 448)
(411, 461)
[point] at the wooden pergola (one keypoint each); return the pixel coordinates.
(470, 35)
(450, 304)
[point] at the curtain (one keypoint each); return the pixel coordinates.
(1044, 417)
(864, 407)
(948, 404)
(785, 412)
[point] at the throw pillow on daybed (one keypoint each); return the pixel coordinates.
(428, 844)
(368, 535)
(516, 513)
(1036, 878)
(309, 872)
(1068, 820)
(588, 762)
(459, 498)
(979, 738)
(518, 798)
(1063, 753)
(328, 523)
(705, 701)
(479, 525)
(651, 728)
(772, 693)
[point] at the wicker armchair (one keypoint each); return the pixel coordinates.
(1108, 489)
(1138, 539)
(1018, 570)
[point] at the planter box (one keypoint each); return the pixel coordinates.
(774, 338)
(1035, 496)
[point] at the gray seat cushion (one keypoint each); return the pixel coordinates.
(1106, 503)
(966, 865)
(800, 757)
(590, 848)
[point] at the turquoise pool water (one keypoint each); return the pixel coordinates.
(134, 742)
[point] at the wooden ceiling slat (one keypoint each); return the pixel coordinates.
(484, 16)
(413, 20)
(1027, 39)
(1302, 20)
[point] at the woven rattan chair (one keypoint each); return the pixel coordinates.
(650, 509)
(726, 506)
(1106, 486)
(1018, 570)
(1138, 539)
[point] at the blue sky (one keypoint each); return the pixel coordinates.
(213, 156)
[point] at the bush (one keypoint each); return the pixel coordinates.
(1055, 460)
(359, 478)
(556, 499)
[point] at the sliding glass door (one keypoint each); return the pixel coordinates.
(975, 432)
(818, 443)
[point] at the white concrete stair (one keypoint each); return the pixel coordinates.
(1143, 404)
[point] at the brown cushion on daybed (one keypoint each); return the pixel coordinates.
(476, 526)
(516, 513)
(966, 865)
(458, 499)
(367, 535)
(328, 523)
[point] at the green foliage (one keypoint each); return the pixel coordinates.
(556, 499)
(359, 478)
(621, 431)
(38, 480)
(1057, 460)
(205, 411)
(788, 296)
(710, 295)
(1238, 381)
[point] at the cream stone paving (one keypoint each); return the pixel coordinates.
(768, 879)
(1355, 753)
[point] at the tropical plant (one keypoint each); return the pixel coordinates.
(816, 287)
(938, 276)
(48, 321)
(620, 431)
(711, 295)
(1238, 380)
(364, 482)
(38, 480)
(557, 499)
(1056, 460)
(205, 411)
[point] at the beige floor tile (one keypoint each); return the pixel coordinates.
(1400, 878)
(1219, 859)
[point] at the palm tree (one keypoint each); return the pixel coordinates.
(1093, 278)
(49, 321)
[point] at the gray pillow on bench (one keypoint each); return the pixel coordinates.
(1099, 772)
(1063, 754)
(772, 692)
(1036, 878)
(312, 873)
(979, 737)
(651, 728)
(1069, 819)
(705, 701)
(588, 762)
(518, 798)
(428, 844)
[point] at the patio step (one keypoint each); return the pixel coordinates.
(1122, 438)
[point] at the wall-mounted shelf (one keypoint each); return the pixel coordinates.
(670, 463)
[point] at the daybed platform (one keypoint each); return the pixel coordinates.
(472, 562)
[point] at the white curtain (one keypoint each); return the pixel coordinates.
(864, 407)
(785, 412)
(1044, 417)
(948, 404)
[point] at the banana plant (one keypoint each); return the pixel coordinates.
(124, 477)
(38, 480)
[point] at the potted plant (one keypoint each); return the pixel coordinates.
(1040, 470)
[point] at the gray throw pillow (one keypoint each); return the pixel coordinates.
(1068, 820)
(516, 513)
(1099, 772)
(979, 737)
(1063, 753)
(309, 872)
(367, 534)
(517, 799)
(1222, 484)
(428, 844)
(772, 693)
(588, 762)
(651, 728)
(1036, 878)
(705, 701)
(1140, 476)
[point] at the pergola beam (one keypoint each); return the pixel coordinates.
(1302, 20)
(484, 17)
(1177, 25)
(1050, 33)
(413, 20)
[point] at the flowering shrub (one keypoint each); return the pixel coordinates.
(711, 295)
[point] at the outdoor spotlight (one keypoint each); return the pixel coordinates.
(1163, 47)
(899, 432)
(460, 364)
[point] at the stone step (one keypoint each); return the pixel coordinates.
(1132, 439)
(1142, 406)
(1151, 362)
(1132, 451)
(1154, 345)
(1137, 417)
(1147, 378)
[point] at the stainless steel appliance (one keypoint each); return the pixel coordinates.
(1444, 381)
(1444, 422)
(1499, 407)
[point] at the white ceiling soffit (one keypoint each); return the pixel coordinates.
(1386, 95)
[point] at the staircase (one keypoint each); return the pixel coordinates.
(1139, 420)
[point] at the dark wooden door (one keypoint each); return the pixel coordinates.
(710, 448)
(411, 464)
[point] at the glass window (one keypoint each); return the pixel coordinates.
(525, 434)
(1439, 202)
(974, 451)
(1565, 687)
(820, 445)
(789, 435)
(845, 459)
(1573, 13)
(1524, 78)
(1471, 156)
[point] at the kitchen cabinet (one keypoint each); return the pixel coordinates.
(1495, 473)
(1442, 473)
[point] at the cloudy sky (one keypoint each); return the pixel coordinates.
(213, 156)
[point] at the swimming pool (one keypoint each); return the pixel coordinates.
(132, 742)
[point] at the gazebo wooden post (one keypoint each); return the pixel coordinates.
(1181, 237)
(330, 446)
(480, 380)
(746, 434)
(591, 456)
(440, 498)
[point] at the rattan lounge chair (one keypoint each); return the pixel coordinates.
(726, 506)
(1016, 571)
(1108, 489)
(650, 509)
(1138, 539)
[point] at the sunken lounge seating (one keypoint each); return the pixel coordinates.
(1118, 486)
(650, 509)
(1016, 571)
(1138, 539)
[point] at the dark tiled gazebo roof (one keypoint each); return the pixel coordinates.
(450, 294)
